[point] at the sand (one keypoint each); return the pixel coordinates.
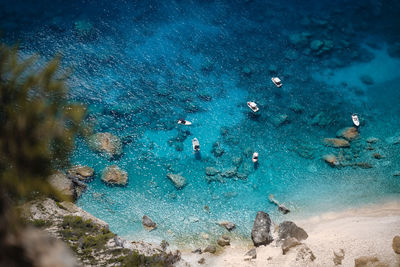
(366, 231)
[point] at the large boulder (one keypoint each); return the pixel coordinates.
(114, 175)
(82, 173)
(148, 223)
(396, 244)
(261, 232)
(288, 229)
(336, 142)
(105, 143)
(178, 180)
(348, 133)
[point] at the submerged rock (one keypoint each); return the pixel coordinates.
(331, 160)
(336, 142)
(81, 172)
(106, 143)
(148, 223)
(280, 119)
(261, 232)
(366, 79)
(372, 140)
(178, 180)
(114, 175)
(288, 229)
(211, 171)
(364, 165)
(348, 133)
(315, 45)
(229, 173)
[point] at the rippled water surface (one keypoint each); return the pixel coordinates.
(141, 65)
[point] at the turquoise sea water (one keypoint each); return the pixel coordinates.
(141, 65)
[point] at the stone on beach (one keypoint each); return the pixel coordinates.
(368, 261)
(261, 232)
(148, 223)
(338, 257)
(336, 142)
(396, 244)
(178, 180)
(331, 160)
(114, 175)
(289, 243)
(210, 249)
(106, 144)
(288, 229)
(81, 172)
(348, 133)
(228, 225)
(251, 254)
(224, 241)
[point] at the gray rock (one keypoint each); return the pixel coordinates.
(210, 249)
(228, 225)
(289, 243)
(224, 241)
(201, 261)
(338, 257)
(211, 171)
(148, 223)
(289, 229)
(251, 254)
(261, 232)
(178, 180)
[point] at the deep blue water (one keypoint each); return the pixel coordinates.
(141, 65)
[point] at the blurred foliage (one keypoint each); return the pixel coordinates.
(37, 124)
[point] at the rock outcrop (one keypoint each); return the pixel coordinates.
(83, 173)
(69, 187)
(288, 229)
(148, 223)
(348, 133)
(336, 142)
(261, 232)
(105, 143)
(178, 180)
(114, 175)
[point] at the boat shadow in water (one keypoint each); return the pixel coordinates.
(197, 155)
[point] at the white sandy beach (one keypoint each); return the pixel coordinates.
(366, 231)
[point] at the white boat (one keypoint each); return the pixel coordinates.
(196, 145)
(255, 157)
(355, 119)
(184, 122)
(253, 106)
(276, 81)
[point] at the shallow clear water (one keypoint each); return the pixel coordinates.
(141, 65)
